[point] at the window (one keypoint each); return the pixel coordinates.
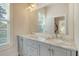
(4, 23)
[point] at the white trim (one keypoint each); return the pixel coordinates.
(5, 46)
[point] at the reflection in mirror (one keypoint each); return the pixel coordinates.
(41, 20)
(59, 25)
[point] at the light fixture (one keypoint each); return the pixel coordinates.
(31, 7)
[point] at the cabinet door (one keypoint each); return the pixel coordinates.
(30, 50)
(71, 52)
(58, 51)
(74, 53)
(45, 50)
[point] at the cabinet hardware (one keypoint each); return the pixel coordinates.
(76, 53)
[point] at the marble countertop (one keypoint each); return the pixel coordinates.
(56, 42)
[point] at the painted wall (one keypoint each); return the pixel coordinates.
(76, 24)
(33, 17)
(20, 21)
(71, 21)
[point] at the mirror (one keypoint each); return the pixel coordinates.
(43, 19)
(53, 19)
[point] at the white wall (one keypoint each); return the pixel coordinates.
(21, 21)
(33, 22)
(76, 24)
(71, 21)
(24, 21)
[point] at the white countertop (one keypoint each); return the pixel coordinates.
(56, 42)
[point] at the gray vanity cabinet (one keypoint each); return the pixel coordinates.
(20, 46)
(45, 50)
(48, 50)
(71, 52)
(51, 50)
(30, 48)
(30, 51)
(57, 51)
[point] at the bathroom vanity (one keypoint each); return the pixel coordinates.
(31, 45)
